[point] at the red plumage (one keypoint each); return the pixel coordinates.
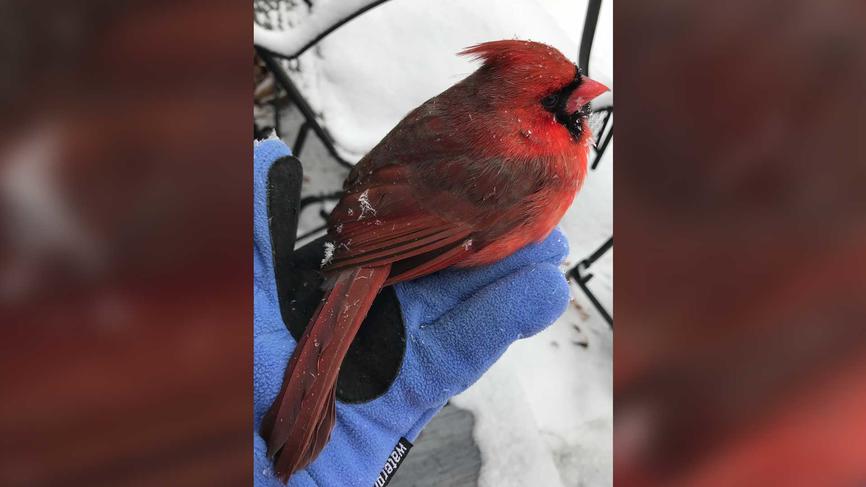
(468, 178)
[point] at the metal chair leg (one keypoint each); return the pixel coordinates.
(577, 273)
(589, 23)
(603, 147)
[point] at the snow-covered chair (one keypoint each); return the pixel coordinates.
(283, 31)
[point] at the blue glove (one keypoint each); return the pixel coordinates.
(457, 323)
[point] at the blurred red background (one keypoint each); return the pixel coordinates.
(125, 256)
(740, 345)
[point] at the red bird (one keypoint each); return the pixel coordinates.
(468, 178)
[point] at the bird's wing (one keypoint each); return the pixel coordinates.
(384, 223)
(421, 201)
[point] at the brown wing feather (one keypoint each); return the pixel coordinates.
(299, 423)
(403, 248)
(408, 206)
(430, 265)
(385, 224)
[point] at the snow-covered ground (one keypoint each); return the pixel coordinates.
(544, 412)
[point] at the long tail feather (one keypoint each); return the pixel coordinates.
(299, 423)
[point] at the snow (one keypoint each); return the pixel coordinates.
(554, 393)
(272, 136)
(290, 26)
(329, 253)
(510, 442)
(366, 208)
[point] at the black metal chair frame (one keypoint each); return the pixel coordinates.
(580, 272)
(273, 60)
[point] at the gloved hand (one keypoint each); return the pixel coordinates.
(456, 323)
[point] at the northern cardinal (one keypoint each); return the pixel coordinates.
(467, 178)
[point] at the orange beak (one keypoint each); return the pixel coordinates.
(588, 90)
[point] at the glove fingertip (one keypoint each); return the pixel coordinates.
(545, 297)
(468, 339)
(553, 249)
(264, 155)
(270, 149)
(556, 246)
(518, 305)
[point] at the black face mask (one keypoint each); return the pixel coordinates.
(555, 103)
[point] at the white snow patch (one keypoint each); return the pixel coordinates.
(286, 30)
(512, 449)
(329, 253)
(366, 208)
(272, 136)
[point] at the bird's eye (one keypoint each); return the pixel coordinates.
(550, 101)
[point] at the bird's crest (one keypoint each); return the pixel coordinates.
(514, 52)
